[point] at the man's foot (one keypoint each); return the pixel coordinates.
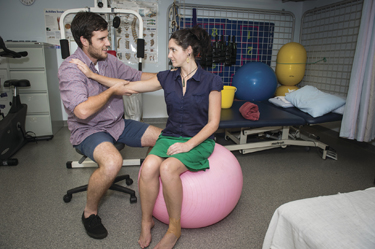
(145, 237)
(94, 227)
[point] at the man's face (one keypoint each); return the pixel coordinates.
(98, 48)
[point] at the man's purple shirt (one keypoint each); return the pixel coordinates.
(76, 88)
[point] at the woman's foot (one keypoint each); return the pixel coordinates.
(145, 237)
(167, 242)
(171, 236)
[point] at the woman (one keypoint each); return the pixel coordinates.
(193, 101)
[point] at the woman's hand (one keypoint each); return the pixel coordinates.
(120, 88)
(83, 67)
(178, 148)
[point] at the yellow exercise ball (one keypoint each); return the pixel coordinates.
(282, 90)
(291, 64)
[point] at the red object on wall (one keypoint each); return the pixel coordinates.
(112, 52)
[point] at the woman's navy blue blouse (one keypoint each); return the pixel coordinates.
(187, 114)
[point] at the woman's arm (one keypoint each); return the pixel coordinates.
(212, 125)
(149, 85)
(99, 78)
(149, 82)
(147, 76)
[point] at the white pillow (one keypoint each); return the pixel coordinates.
(339, 110)
(313, 101)
(280, 101)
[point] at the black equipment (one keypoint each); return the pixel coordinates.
(12, 127)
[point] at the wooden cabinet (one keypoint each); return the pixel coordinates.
(44, 114)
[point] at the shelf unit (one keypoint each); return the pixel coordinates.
(44, 114)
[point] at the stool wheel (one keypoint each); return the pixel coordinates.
(69, 164)
(133, 199)
(67, 198)
(129, 181)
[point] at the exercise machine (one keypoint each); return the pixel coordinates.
(133, 106)
(102, 7)
(12, 127)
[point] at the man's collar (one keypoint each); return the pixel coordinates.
(87, 60)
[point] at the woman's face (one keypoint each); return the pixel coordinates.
(177, 54)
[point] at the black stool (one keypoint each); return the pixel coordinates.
(133, 199)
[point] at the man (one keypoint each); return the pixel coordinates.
(95, 112)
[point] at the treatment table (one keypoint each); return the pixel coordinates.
(273, 120)
(344, 220)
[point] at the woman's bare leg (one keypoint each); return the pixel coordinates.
(148, 191)
(170, 172)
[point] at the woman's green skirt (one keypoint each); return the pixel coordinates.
(194, 160)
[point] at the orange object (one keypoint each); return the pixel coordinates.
(282, 90)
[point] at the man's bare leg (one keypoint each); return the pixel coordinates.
(110, 162)
(150, 136)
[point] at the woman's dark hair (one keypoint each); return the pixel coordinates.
(84, 23)
(196, 37)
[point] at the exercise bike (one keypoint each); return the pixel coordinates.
(12, 127)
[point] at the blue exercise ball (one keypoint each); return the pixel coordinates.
(255, 81)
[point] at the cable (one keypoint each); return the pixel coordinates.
(324, 59)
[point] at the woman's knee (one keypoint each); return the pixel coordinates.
(169, 170)
(150, 168)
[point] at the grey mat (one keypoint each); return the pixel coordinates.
(33, 214)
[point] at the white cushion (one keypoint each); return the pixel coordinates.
(339, 110)
(280, 101)
(313, 101)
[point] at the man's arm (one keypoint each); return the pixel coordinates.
(94, 103)
(103, 79)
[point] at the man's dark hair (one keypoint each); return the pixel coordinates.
(85, 23)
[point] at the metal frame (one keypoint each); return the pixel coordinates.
(331, 32)
(284, 22)
(102, 10)
(286, 138)
(88, 163)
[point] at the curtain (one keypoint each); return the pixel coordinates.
(359, 116)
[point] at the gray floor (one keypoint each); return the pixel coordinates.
(33, 214)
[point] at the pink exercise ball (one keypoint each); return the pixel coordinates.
(208, 196)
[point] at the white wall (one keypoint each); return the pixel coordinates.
(27, 23)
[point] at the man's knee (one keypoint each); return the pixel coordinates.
(108, 158)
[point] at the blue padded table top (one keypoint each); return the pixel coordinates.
(329, 117)
(270, 115)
